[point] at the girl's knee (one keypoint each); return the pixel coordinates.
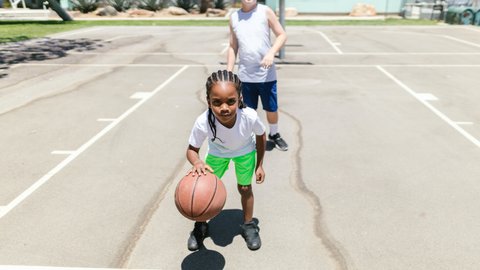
(245, 190)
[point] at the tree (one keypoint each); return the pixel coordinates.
(204, 5)
(55, 6)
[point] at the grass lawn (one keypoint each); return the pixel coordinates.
(13, 31)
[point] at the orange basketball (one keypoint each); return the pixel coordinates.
(200, 197)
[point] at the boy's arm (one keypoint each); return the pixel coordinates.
(260, 146)
(232, 49)
(281, 38)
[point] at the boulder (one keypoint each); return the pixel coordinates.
(214, 12)
(177, 11)
(289, 12)
(107, 11)
(140, 12)
(362, 10)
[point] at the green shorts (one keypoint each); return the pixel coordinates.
(244, 166)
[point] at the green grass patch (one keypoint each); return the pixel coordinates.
(13, 31)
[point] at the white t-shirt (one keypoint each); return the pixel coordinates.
(253, 36)
(230, 142)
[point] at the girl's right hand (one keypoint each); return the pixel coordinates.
(200, 168)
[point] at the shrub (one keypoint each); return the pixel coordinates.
(120, 5)
(152, 5)
(220, 4)
(185, 4)
(84, 6)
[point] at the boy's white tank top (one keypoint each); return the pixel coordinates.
(253, 36)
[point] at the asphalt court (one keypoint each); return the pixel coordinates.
(383, 126)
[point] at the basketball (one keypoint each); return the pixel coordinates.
(200, 197)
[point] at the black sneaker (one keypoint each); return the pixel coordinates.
(279, 142)
(250, 234)
(200, 231)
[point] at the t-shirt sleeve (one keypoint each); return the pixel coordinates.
(199, 134)
(258, 126)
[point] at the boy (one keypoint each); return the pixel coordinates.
(250, 39)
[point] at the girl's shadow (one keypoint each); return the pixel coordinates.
(225, 226)
(204, 259)
(222, 228)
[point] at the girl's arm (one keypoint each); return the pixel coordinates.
(199, 167)
(260, 145)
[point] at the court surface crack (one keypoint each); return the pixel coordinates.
(320, 227)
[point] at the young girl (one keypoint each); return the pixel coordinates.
(234, 133)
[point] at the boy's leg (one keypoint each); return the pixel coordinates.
(250, 94)
(244, 170)
(200, 230)
(268, 95)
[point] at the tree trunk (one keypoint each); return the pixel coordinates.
(204, 4)
(59, 10)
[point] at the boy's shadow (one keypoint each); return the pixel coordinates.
(222, 229)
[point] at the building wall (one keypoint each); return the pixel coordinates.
(337, 6)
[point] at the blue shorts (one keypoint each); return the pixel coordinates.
(267, 92)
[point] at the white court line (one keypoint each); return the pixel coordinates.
(433, 109)
(31, 267)
(227, 45)
(462, 41)
(25, 194)
(141, 95)
(76, 32)
(146, 53)
(106, 119)
(62, 152)
(120, 37)
(329, 42)
(277, 64)
(426, 96)
(475, 29)
(289, 53)
(464, 123)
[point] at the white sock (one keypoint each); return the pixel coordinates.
(273, 129)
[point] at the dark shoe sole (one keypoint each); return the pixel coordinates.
(281, 149)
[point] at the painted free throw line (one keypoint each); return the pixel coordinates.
(74, 154)
(453, 124)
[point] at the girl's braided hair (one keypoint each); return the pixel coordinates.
(221, 76)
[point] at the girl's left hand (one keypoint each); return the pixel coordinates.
(260, 175)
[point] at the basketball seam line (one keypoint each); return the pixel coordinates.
(211, 200)
(193, 195)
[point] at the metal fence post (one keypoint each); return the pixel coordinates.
(281, 53)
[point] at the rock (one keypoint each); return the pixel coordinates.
(289, 12)
(107, 11)
(177, 11)
(140, 12)
(214, 12)
(361, 9)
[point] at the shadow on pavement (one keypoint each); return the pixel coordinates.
(225, 226)
(222, 228)
(42, 49)
(270, 145)
(204, 259)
